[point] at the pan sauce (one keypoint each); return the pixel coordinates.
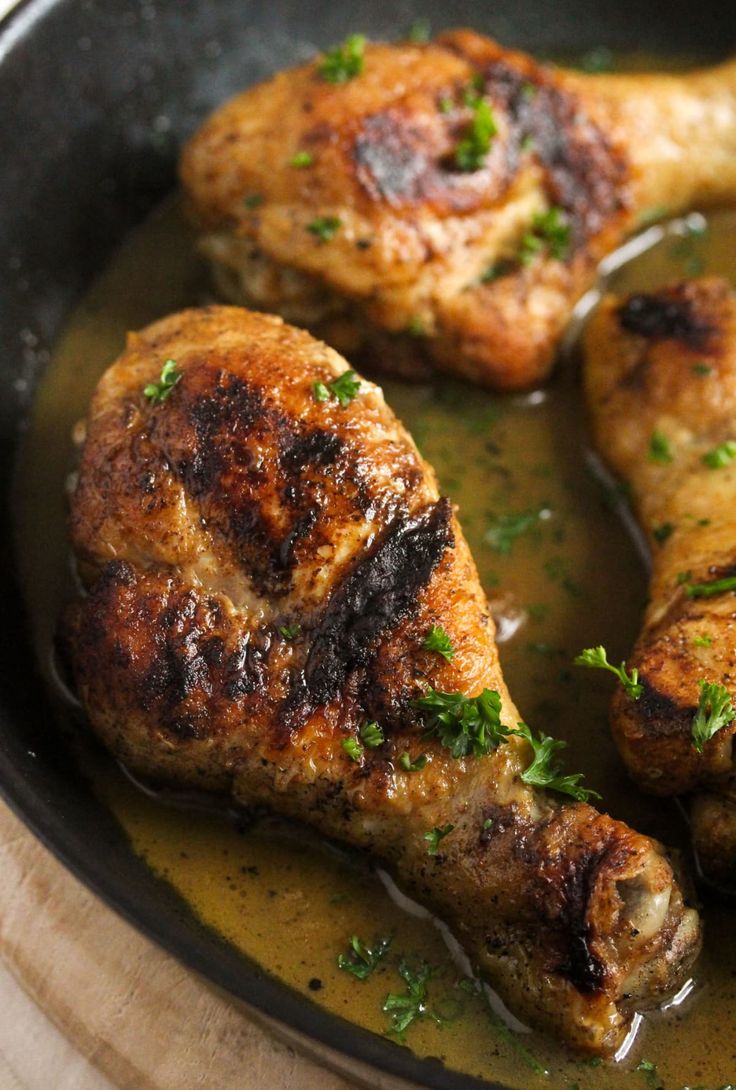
(573, 578)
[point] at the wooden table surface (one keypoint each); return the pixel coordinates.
(90, 1004)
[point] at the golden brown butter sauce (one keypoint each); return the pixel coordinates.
(572, 578)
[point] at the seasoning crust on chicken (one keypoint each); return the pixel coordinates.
(261, 571)
(660, 374)
(396, 216)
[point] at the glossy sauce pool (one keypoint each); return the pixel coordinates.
(554, 552)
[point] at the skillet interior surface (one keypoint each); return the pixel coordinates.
(96, 98)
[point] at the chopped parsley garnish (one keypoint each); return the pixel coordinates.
(660, 450)
(487, 824)
(494, 272)
(436, 835)
(505, 529)
(371, 735)
(446, 105)
(545, 770)
(649, 1071)
(344, 388)
(706, 590)
(353, 748)
(253, 200)
(702, 641)
(301, 159)
(550, 231)
(720, 456)
(290, 631)
(361, 960)
(662, 532)
(324, 228)
(412, 766)
(420, 31)
(412, 1004)
(715, 711)
(438, 640)
(170, 375)
(476, 141)
(343, 62)
(701, 369)
(416, 327)
(465, 725)
(596, 657)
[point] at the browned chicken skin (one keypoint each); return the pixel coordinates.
(429, 260)
(664, 364)
(206, 528)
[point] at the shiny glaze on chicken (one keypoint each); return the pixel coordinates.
(433, 262)
(209, 526)
(663, 364)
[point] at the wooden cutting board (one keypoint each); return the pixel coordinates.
(139, 1016)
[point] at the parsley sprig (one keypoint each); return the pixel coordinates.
(438, 640)
(435, 836)
(412, 766)
(353, 748)
(545, 770)
(324, 228)
(597, 658)
(551, 232)
(170, 375)
(406, 1007)
(343, 62)
(721, 456)
(344, 388)
(660, 449)
(505, 529)
(371, 735)
(477, 138)
(464, 725)
(361, 959)
(301, 159)
(715, 711)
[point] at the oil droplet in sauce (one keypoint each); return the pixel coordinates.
(564, 572)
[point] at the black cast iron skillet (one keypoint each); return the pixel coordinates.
(82, 158)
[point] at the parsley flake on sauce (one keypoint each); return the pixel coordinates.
(343, 62)
(361, 960)
(505, 529)
(344, 388)
(159, 391)
(406, 1007)
(715, 711)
